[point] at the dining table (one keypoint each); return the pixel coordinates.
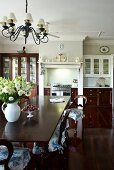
(38, 128)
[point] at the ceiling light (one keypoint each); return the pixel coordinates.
(10, 31)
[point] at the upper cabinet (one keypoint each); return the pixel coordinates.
(96, 66)
(25, 65)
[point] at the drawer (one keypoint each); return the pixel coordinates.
(91, 101)
(90, 92)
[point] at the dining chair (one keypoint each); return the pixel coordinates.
(56, 155)
(13, 158)
(5, 153)
(76, 118)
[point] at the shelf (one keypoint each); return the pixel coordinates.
(61, 64)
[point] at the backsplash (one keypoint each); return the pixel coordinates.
(62, 76)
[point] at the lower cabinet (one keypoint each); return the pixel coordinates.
(105, 117)
(74, 93)
(47, 91)
(98, 110)
(91, 119)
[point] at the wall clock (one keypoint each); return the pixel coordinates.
(104, 49)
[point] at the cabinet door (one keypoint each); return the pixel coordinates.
(96, 66)
(105, 97)
(105, 117)
(105, 66)
(24, 67)
(87, 66)
(33, 69)
(91, 119)
(74, 93)
(15, 71)
(7, 72)
(46, 91)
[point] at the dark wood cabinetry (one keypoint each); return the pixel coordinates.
(91, 119)
(98, 110)
(47, 91)
(20, 64)
(74, 93)
(23, 64)
(105, 97)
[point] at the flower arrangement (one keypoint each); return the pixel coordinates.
(13, 90)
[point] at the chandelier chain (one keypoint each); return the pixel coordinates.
(26, 5)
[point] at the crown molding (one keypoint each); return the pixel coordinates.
(100, 42)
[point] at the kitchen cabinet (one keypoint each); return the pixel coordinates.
(91, 114)
(23, 64)
(105, 97)
(98, 110)
(74, 93)
(47, 91)
(97, 66)
(91, 119)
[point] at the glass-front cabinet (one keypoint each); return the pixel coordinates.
(96, 66)
(87, 66)
(14, 67)
(6, 65)
(33, 69)
(25, 65)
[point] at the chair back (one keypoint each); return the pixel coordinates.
(75, 102)
(63, 127)
(5, 160)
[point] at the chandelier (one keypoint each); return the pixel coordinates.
(10, 31)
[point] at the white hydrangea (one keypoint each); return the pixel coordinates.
(5, 89)
(11, 99)
(13, 90)
(21, 92)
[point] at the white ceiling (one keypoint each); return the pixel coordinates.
(69, 19)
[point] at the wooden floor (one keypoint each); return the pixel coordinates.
(96, 152)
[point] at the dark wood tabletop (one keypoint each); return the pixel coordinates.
(38, 128)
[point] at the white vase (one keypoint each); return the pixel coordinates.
(11, 111)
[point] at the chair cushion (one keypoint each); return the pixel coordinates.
(75, 113)
(53, 143)
(19, 159)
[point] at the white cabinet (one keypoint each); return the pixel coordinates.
(96, 66)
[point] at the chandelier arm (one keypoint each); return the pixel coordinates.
(45, 36)
(14, 36)
(7, 36)
(37, 39)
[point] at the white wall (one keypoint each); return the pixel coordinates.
(71, 50)
(14, 47)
